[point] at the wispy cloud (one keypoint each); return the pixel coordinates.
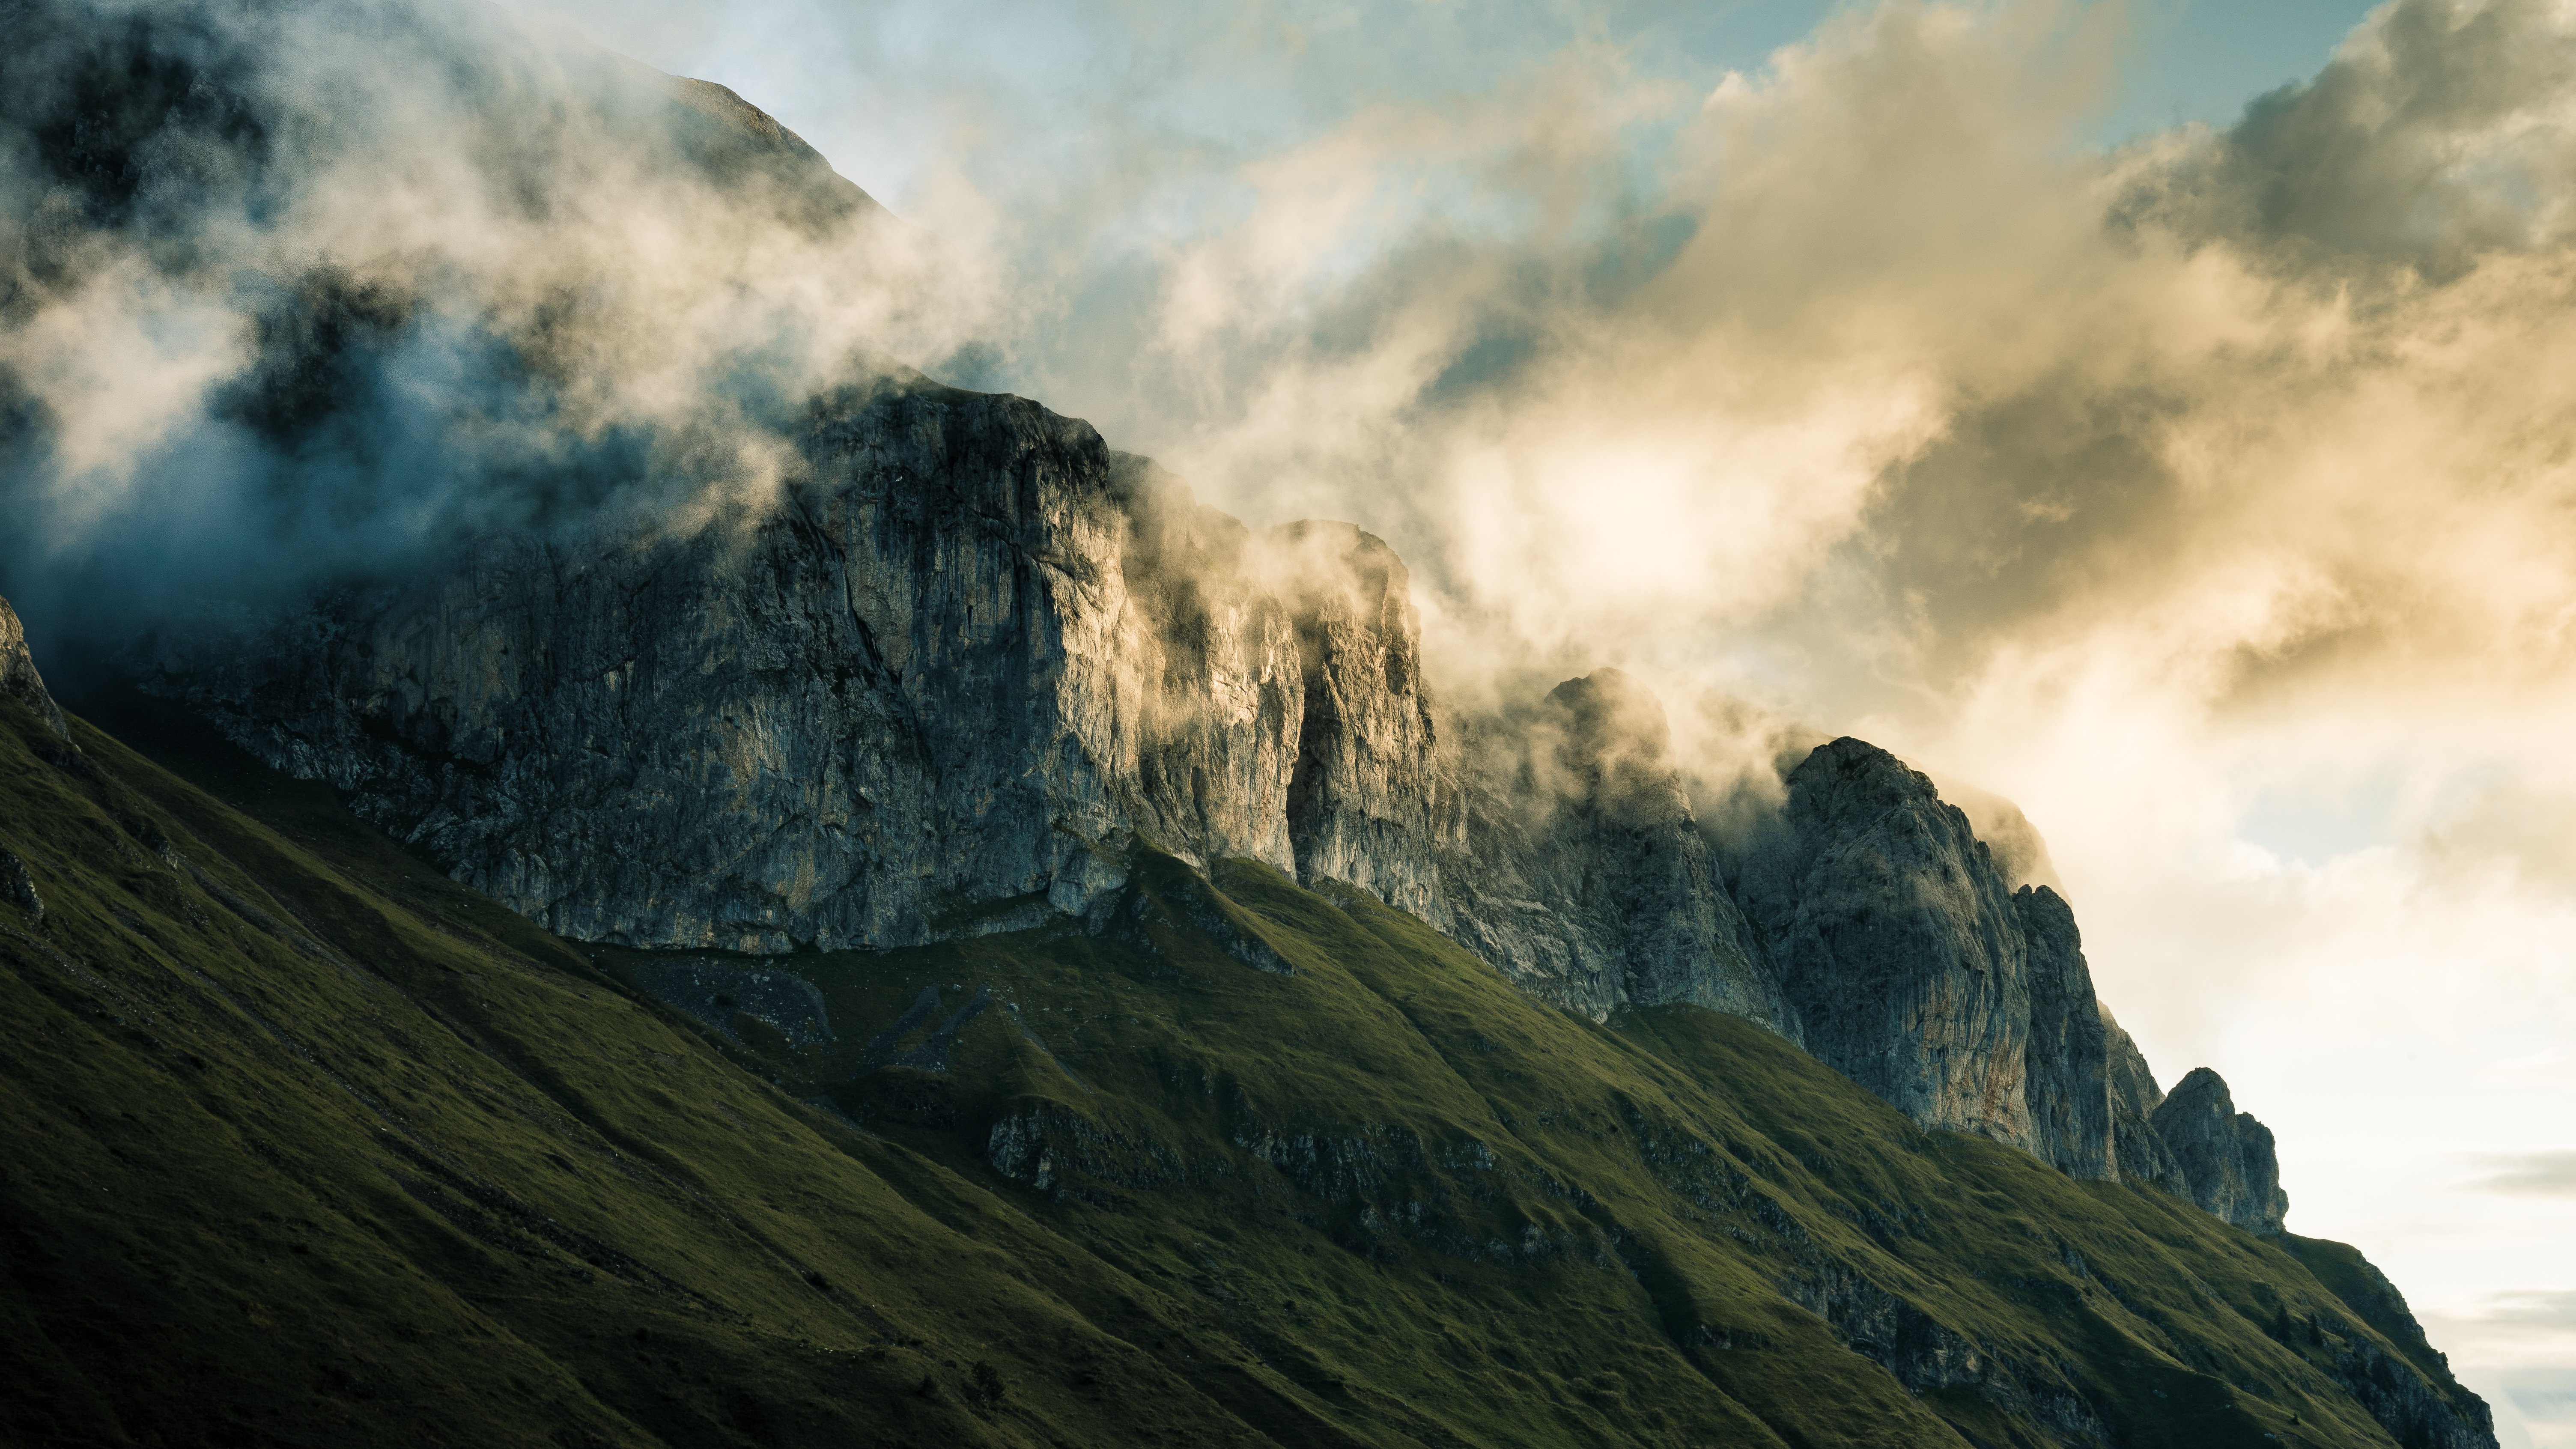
(2544, 1174)
(294, 290)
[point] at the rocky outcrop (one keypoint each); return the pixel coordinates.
(1914, 971)
(1581, 874)
(2139, 1154)
(944, 689)
(931, 694)
(2066, 1078)
(1910, 962)
(2222, 1158)
(1368, 800)
(974, 661)
(736, 142)
(18, 677)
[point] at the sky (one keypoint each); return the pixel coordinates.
(2151, 413)
(2040, 390)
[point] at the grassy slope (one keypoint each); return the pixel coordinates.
(323, 1144)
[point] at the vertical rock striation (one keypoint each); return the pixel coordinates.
(1899, 944)
(938, 690)
(931, 694)
(2223, 1158)
(972, 655)
(2066, 1081)
(1367, 800)
(1581, 873)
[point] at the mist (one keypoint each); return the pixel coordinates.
(337, 288)
(2195, 495)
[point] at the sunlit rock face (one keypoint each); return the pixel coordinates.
(2223, 1158)
(1916, 971)
(951, 679)
(1369, 799)
(937, 691)
(1581, 874)
(943, 687)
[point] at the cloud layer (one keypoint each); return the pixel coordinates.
(294, 290)
(2208, 495)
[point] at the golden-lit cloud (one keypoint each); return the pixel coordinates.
(2209, 496)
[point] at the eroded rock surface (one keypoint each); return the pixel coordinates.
(943, 689)
(974, 658)
(2223, 1158)
(932, 694)
(1902, 950)
(1581, 873)
(2066, 1077)
(2138, 1152)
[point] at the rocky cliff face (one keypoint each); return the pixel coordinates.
(1917, 972)
(934, 693)
(2066, 1078)
(1581, 874)
(2223, 1158)
(974, 656)
(18, 677)
(2139, 1153)
(940, 690)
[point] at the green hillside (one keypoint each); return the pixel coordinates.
(301, 1143)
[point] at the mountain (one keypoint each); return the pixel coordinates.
(786, 901)
(306, 1143)
(975, 659)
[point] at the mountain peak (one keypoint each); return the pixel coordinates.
(2226, 1157)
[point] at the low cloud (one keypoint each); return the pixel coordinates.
(2163, 488)
(295, 292)
(2540, 1309)
(2542, 1174)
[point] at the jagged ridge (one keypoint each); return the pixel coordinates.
(1120, 1187)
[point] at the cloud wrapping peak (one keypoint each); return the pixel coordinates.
(297, 288)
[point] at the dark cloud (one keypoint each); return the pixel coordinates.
(2422, 143)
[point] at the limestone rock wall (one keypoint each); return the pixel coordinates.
(1369, 800)
(973, 655)
(2224, 1158)
(931, 694)
(1900, 946)
(2066, 1080)
(940, 688)
(1581, 874)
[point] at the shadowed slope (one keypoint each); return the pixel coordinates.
(1253, 1165)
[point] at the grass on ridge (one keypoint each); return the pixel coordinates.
(301, 1141)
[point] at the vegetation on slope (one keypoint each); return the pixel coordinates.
(300, 1141)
